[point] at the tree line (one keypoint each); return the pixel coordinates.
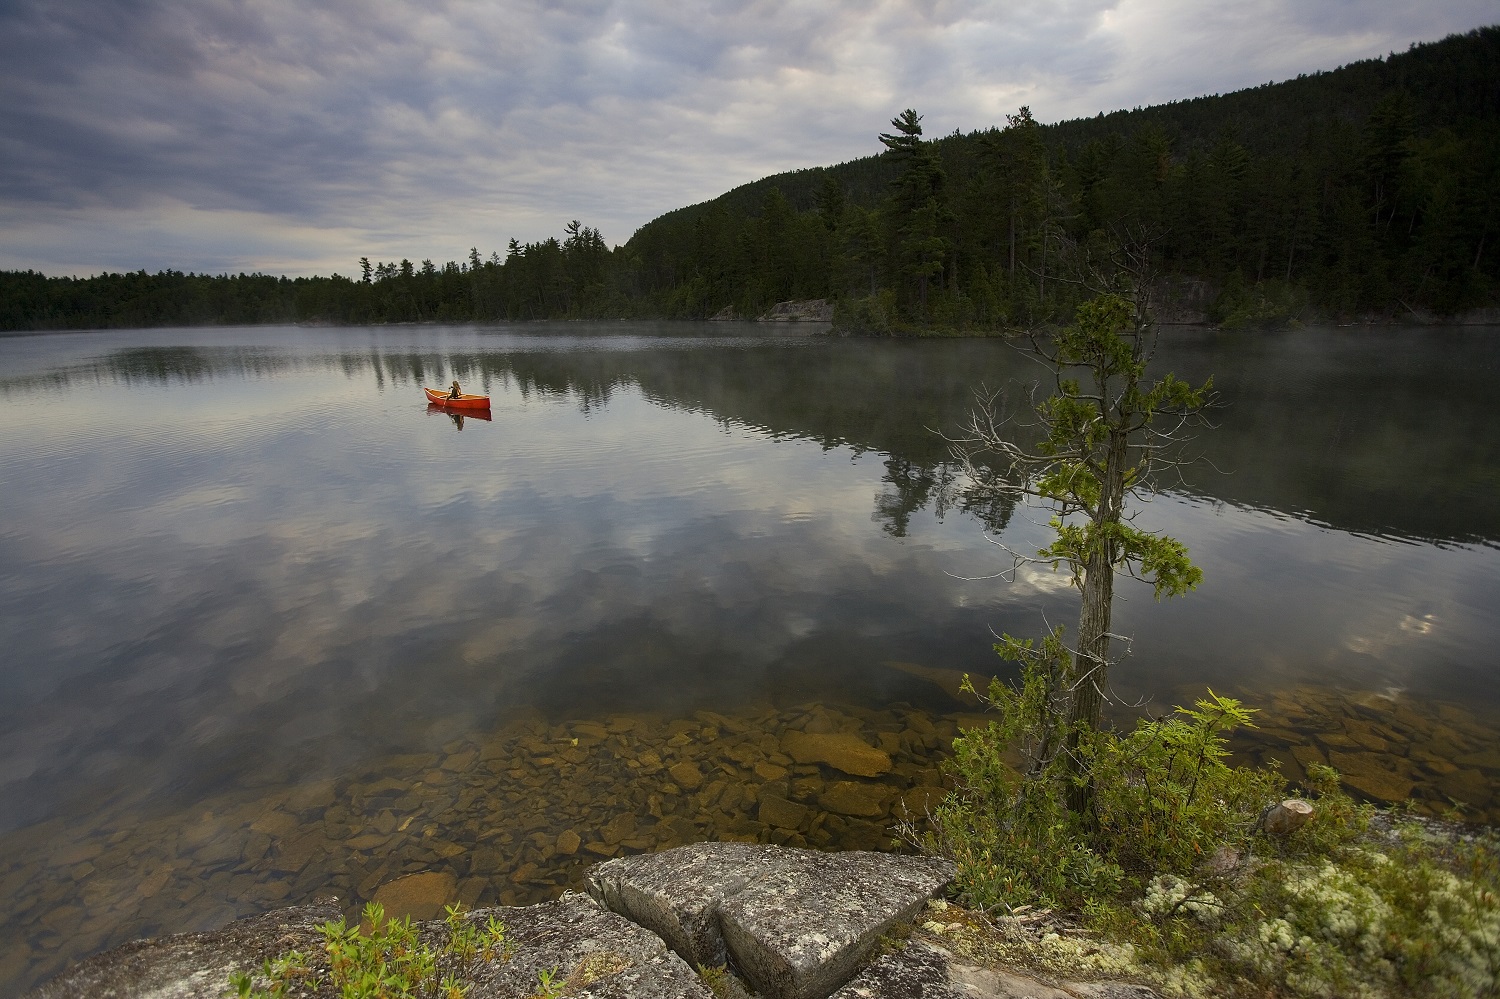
(1369, 191)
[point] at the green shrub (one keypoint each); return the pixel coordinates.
(1175, 867)
(387, 962)
(1166, 800)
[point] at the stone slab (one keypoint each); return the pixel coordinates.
(805, 927)
(676, 893)
(596, 953)
(795, 923)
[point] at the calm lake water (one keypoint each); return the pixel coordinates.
(272, 627)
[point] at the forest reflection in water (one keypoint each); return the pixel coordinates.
(283, 610)
(1378, 432)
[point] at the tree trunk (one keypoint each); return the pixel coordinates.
(1091, 668)
(1013, 238)
(1041, 293)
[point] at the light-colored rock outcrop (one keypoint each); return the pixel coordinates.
(812, 310)
(676, 894)
(796, 923)
(191, 965)
(597, 953)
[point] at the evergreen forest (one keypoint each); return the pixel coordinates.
(1366, 193)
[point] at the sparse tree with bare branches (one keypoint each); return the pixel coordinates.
(1107, 429)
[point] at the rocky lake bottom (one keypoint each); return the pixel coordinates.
(515, 815)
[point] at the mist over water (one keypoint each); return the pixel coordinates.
(252, 558)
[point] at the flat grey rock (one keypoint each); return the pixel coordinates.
(676, 894)
(601, 955)
(796, 923)
(191, 965)
(921, 970)
(1110, 990)
(805, 928)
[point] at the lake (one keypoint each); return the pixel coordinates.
(272, 627)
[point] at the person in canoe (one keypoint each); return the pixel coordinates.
(455, 393)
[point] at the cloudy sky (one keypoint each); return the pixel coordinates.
(294, 137)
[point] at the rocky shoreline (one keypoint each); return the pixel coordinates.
(706, 921)
(518, 814)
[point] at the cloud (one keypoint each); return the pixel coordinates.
(224, 134)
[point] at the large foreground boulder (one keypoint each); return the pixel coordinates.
(796, 923)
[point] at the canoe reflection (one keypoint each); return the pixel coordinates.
(457, 417)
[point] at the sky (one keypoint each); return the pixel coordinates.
(295, 136)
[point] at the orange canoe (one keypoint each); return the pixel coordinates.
(462, 402)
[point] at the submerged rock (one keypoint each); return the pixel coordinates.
(849, 797)
(839, 750)
(420, 896)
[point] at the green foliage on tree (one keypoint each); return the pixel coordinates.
(1107, 428)
(916, 213)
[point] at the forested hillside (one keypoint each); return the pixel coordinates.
(1369, 191)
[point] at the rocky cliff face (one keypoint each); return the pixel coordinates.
(781, 923)
(812, 310)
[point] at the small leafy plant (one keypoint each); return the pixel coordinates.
(715, 978)
(389, 961)
(549, 985)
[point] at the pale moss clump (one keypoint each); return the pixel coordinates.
(1330, 934)
(1067, 954)
(1168, 894)
(1368, 924)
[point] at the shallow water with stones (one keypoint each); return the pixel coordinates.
(276, 629)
